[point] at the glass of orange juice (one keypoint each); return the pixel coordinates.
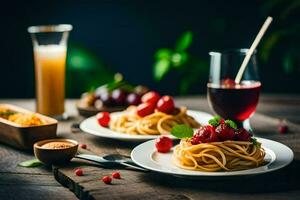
(50, 51)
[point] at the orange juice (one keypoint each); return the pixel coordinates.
(50, 61)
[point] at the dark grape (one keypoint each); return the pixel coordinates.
(118, 96)
(133, 99)
(100, 90)
(106, 98)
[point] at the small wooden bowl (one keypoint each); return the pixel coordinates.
(55, 156)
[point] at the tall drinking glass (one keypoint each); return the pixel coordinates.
(227, 98)
(50, 50)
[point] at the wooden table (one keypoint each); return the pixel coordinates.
(39, 183)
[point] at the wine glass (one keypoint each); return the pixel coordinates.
(231, 100)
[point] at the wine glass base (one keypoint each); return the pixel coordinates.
(246, 125)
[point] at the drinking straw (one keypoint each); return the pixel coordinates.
(249, 53)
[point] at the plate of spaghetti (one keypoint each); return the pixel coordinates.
(128, 126)
(218, 149)
(153, 116)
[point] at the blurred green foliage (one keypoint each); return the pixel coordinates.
(188, 67)
(278, 50)
(85, 70)
(282, 43)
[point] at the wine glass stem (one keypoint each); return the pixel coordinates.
(245, 124)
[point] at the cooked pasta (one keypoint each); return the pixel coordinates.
(26, 119)
(23, 119)
(218, 156)
(153, 124)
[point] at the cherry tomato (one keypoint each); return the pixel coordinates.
(83, 146)
(242, 135)
(150, 97)
(106, 179)
(205, 134)
(225, 132)
(116, 175)
(163, 144)
(103, 118)
(79, 172)
(166, 104)
(145, 109)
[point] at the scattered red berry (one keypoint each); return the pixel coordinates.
(242, 135)
(83, 146)
(283, 129)
(145, 109)
(150, 97)
(79, 172)
(166, 104)
(205, 134)
(106, 179)
(225, 132)
(116, 175)
(163, 144)
(103, 118)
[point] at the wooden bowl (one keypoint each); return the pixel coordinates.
(91, 111)
(50, 156)
(23, 137)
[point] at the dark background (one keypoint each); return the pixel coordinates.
(122, 36)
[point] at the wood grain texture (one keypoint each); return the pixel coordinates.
(136, 185)
(282, 184)
(27, 183)
(30, 192)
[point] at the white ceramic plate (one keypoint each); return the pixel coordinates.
(91, 126)
(145, 155)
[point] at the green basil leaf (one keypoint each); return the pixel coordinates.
(215, 121)
(231, 123)
(161, 67)
(255, 143)
(30, 163)
(182, 131)
(184, 41)
(179, 59)
(163, 53)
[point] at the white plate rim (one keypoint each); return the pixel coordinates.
(275, 164)
(91, 126)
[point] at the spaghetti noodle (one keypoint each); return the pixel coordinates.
(153, 124)
(218, 156)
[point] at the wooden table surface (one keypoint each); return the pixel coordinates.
(39, 183)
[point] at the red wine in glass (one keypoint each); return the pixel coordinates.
(234, 101)
(231, 100)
